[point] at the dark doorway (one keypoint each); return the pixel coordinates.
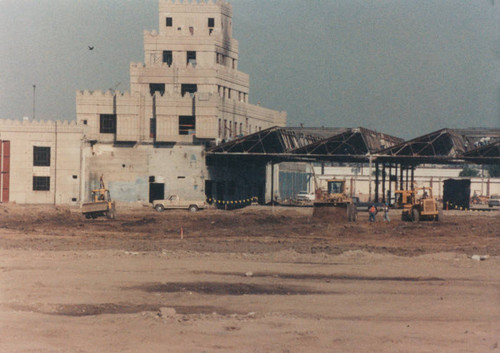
(156, 191)
(456, 193)
(209, 193)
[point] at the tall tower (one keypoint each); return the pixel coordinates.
(188, 89)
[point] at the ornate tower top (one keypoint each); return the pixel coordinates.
(193, 18)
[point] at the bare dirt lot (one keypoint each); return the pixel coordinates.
(251, 280)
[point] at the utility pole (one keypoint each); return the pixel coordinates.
(34, 88)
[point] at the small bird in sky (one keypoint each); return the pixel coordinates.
(91, 47)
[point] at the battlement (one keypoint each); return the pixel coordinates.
(195, 3)
(38, 126)
(137, 65)
(100, 93)
(167, 97)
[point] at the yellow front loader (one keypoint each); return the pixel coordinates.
(419, 205)
(101, 204)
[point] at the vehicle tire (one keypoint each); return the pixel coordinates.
(159, 208)
(415, 215)
(193, 208)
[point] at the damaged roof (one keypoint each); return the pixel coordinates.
(275, 140)
(441, 145)
(356, 141)
(445, 146)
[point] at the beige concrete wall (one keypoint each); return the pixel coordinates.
(134, 113)
(64, 140)
(182, 169)
(126, 171)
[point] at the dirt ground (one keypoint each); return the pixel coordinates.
(258, 279)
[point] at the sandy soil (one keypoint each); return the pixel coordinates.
(251, 280)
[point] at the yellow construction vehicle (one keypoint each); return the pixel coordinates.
(334, 197)
(101, 204)
(419, 205)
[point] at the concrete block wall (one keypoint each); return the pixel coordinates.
(181, 168)
(64, 140)
(127, 171)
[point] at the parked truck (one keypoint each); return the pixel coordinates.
(175, 202)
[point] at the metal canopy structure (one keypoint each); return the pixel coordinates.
(307, 144)
(356, 141)
(394, 159)
(275, 140)
(445, 146)
(485, 154)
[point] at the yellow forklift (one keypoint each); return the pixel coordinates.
(101, 204)
(419, 205)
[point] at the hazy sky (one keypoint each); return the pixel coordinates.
(404, 67)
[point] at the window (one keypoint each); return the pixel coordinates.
(152, 128)
(167, 57)
(157, 87)
(211, 22)
(191, 58)
(41, 183)
(108, 124)
(188, 88)
(191, 30)
(220, 128)
(41, 156)
(169, 22)
(187, 125)
(235, 131)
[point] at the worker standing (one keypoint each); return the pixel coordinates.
(386, 213)
(372, 211)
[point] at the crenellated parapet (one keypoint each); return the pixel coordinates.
(28, 125)
(195, 3)
(174, 8)
(134, 65)
(101, 94)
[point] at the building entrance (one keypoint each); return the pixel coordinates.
(156, 191)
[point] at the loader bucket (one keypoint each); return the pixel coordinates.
(340, 213)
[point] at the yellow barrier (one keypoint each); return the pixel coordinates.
(230, 202)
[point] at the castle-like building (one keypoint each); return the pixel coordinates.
(188, 90)
(187, 95)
